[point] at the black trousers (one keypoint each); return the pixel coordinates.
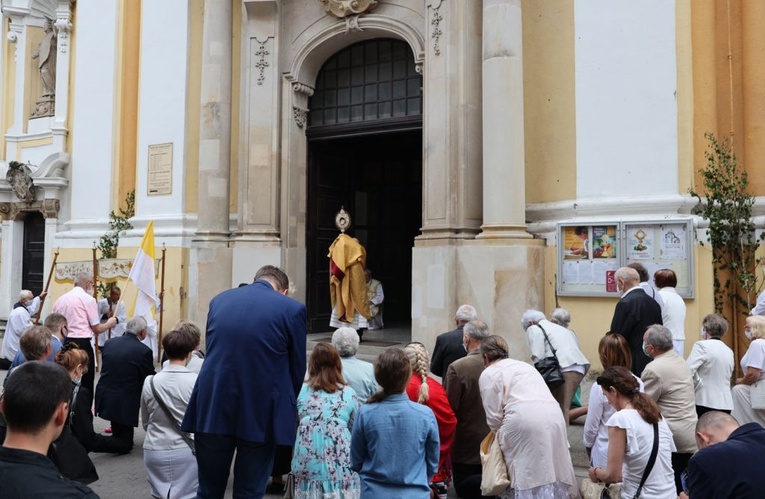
(89, 378)
(123, 433)
(679, 463)
(467, 480)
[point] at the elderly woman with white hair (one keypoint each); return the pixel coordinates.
(359, 374)
(753, 366)
(545, 337)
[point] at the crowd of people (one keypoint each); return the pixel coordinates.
(407, 425)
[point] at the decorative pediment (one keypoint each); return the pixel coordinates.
(345, 8)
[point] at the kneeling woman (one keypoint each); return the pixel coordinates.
(631, 433)
(170, 463)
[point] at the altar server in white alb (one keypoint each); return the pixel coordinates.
(112, 307)
(19, 320)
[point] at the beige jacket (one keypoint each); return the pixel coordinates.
(669, 382)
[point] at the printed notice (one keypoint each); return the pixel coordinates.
(673, 242)
(160, 181)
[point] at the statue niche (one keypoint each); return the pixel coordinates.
(46, 65)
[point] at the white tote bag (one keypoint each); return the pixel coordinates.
(494, 478)
(757, 395)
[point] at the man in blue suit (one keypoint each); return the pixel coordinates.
(245, 397)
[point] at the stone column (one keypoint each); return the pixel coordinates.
(504, 183)
(211, 258)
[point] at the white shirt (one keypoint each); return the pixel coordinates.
(564, 341)
(194, 365)
(661, 481)
(673, 312)
(653, 293)
(595, 435)
(174, 385)
(104, 306)
(19, 320)
(713, 361)
(755, 357)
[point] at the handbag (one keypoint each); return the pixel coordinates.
(289, 486)
(549, 367)
(651, 460)
(599, 490)
(185, 436)
(494, 476)
(757, 395)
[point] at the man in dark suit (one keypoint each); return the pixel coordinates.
(125, 364)
(245, 396)
(634, 313)
(730, 459)
(449, 345)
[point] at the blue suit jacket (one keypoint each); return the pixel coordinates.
(730, 469)
(253, 368)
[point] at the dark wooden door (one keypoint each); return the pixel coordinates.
(378, 179)
(34, 253)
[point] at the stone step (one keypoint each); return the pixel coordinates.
(368, 350)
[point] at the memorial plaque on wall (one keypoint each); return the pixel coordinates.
(590, 253)
(160, 178)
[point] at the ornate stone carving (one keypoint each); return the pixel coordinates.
(12, 36)
(435, 22)
(19, 176)
(261, 63)
(63, 28)
(50, 208)
(9, 211)
(345, 8)
(300, 103)
(352, 24)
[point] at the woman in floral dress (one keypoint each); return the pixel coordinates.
(326, 408)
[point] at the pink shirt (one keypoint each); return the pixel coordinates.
(80, 310)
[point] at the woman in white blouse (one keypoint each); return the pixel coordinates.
(170, 463)
(529, 428)
(631, 436)
(711, 363)
(753, 365)
(614, 351)
(673, 311)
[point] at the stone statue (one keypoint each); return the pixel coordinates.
(46, 63)
(344, 8)
(19, 176)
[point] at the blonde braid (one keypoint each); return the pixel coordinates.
(418, 357)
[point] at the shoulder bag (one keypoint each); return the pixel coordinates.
(494, 476)
(186, 438)
(651, 460)
(757, 395)
(549, 367)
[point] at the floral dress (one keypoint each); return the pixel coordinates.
(321, 460)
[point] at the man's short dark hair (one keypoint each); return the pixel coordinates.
(274, 274)
(178, 344)
(55, 321)
(33, 392)
(641, 270)
(35, 342)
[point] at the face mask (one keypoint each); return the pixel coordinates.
(748, 334)
(703, 333)
(620, 291)
(464, 345)
(644, 351)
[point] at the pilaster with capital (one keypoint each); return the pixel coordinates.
(452, 120)
(63, 27)
(17, 35)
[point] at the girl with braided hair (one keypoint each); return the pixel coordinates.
(394, 447)
(429, 392)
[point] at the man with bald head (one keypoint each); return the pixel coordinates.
(730, 459)
(634, 313)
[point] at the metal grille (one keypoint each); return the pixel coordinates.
(369, 81)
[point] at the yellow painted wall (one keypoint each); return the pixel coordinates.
(193, 99)
(31, 144)
(126, 106)
(591, 317)
(549, 100)
(176, 279)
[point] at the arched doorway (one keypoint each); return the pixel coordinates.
(365, 153)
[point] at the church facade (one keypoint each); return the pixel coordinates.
(458, 134)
